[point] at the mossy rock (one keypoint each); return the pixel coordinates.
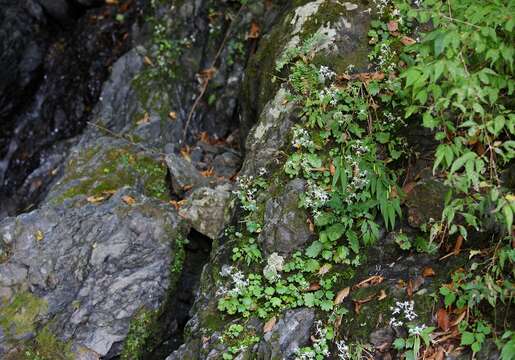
(19, 316)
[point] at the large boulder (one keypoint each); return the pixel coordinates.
(87, 270)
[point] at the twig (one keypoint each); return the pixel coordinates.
(206, 80)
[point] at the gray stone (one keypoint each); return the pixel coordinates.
(285, 227)
(206, 210)
(291, 332)
(94, 266)
(227, 164)
(183, 174)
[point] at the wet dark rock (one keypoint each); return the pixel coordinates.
(285, 227)
(227, 164)
(425, 202)
(382, 338)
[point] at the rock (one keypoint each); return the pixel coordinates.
(206, 210)
(426, 202)
(183, 174)
(285, 227)
(88, 270)
(291, 332)
(382, 338)
(227, 164)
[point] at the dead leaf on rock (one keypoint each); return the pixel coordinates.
(406, 40)
(359, 303)
(111, 2)
(373, 280)
(341, 295)
(409, 288)
(129, 200)
(382, 295)
(393, 26)
(442, 319)
(39, 235)
(458, 244)
(172, 115)
(332, 169)
(208, 173)
(255, 31)
(95, 199)
(269, 325)
(314, 286)
(428, 272)
(148, 61)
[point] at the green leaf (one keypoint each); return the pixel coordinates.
(508, 216)
(314, 249)
(458, 164)
(399, 344)
(467, 338)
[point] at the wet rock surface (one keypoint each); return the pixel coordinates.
(56, 55)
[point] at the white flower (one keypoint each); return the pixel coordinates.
(417, 330)
(262, 171)
(326, 73)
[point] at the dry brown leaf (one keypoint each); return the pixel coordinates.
(341, 295)
(187, 187)
(39, 235)
(208, 173)
(311, 226)
(373, 280)
(269, 325)
(393, 26)
(409, 288)
(458, 244)
(382, 295)
(442, 319)
(185, 152)
(418, 282)
(459, 319)
(407, 188)
(207, 74)
(332, 169)
(314, 286)
(361, 302)
(144, 120)
(440, 354)
(406, 40)
(428, 272)
(129, 200)
(148, 61)
(172, 115)
(255, 31)
(111, 2)
(95, 199)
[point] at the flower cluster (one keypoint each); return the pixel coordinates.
(401, 312)
(237, 280)
(416, 330)
(246, 192)
(343, 350)
(273, 267)
(320, 347)
(325, 74)
(329, 95)
(301, 139)
(315, 198)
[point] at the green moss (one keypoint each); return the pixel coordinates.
(117, 168)
(19, 316)
(46, 346)
(140, 331)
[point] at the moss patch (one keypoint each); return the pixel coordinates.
(19, 316)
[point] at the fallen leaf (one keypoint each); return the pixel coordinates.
(208, 173)
(185, 152)
(332, 169)
(95, 199)
(311, 226)
(393, 26)
(439, 354)
(407, 188)
(459, 319)
(187, 187)
(39, 235)
(255, 31)
(129, 200)
(148, 61)
(172, 115)
(409, 288)
(324, 269)
(373, 280)
(111, 2)
(207, 74)
(269, 325)
(178, 204)
(341, 295)
(144, 120)
(417, 283)
(458, 244)
(442, 319)
(382, 295)
(406, 40)
(428, 271)
(361, 302)
(314, 286)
